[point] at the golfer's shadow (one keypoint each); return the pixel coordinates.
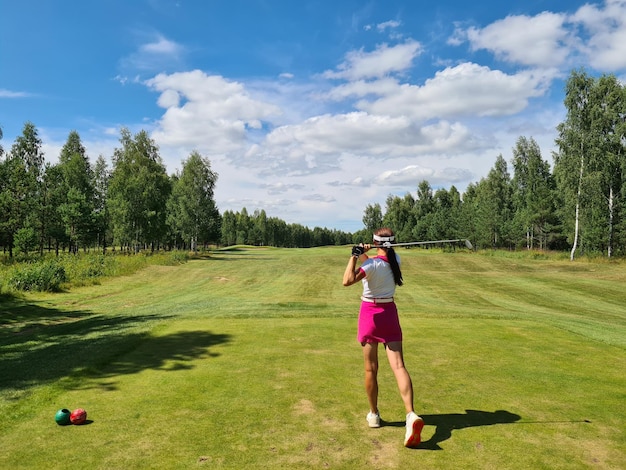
(446, 423)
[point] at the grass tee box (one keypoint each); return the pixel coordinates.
(249, 359)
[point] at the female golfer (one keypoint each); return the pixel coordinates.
(379, 323)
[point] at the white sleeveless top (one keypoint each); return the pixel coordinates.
(378, 281)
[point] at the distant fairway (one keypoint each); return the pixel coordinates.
(248, 359)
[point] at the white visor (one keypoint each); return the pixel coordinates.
(378, 238)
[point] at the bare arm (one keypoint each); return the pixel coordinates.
(353, 274)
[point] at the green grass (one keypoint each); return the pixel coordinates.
(248, 359)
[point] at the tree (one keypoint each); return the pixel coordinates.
(258, 232)
(138, 190)
(533, 193)
(608, 123)
(446, 214)
(13, 200)
(569, 161)
(77, 209)
(191, 208)
(27, 148)
(588, 165)
(400, 216)
(20, 200)
(101, 177)
(469, 218)
(372, 219)
(489, 205)
(243, 227)
(55, 195)
(229, 228)
(423, 210)
(278, 232)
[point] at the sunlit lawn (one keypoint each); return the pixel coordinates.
(248, 359)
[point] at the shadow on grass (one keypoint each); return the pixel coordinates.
(239, 254)
(446, 423)
(41, 345)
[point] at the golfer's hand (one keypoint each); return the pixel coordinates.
(358, 250)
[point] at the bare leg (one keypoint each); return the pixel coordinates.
(396, 361)
(370, 357)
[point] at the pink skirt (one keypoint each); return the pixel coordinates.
(379, 323)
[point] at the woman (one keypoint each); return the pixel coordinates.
(379, 323)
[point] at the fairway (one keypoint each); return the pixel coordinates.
(248, 359)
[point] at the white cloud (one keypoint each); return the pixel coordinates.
(605, 46)
(4, 93)
(467, 89)
(366, 128)
(206, 112)
(320, 144)
(280, 187)
(413, 174)
(169, 99)
(597, 31)
(317, 197)
(391, 24)
(361, 88)
(540, 40)
(379, 63)
(162, 46)
(158, 54)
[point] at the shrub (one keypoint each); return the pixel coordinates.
(84, 268)
(44, 276)
(178, 257)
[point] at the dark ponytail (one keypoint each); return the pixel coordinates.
(395, 267)
(387, 235)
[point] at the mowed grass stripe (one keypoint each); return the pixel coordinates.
(589, 300)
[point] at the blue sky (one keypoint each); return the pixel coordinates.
(308, 109)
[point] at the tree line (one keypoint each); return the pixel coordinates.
(579, 204)
(132, 206)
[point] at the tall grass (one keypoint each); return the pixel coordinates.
(52, 273)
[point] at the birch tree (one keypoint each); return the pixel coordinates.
(574, 141)
(588, 166)
(191, 208)
(608, 114)
(138, 191)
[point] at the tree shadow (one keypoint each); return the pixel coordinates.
(173, 352)
(446, 423)
(41, 345)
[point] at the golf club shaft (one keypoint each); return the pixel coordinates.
(388, 244)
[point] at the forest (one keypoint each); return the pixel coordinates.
(576, 204)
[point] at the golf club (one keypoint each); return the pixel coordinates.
(468, 244)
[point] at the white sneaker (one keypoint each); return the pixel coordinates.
(414, 425)
(373, 419)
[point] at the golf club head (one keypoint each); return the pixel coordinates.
(468, 244)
